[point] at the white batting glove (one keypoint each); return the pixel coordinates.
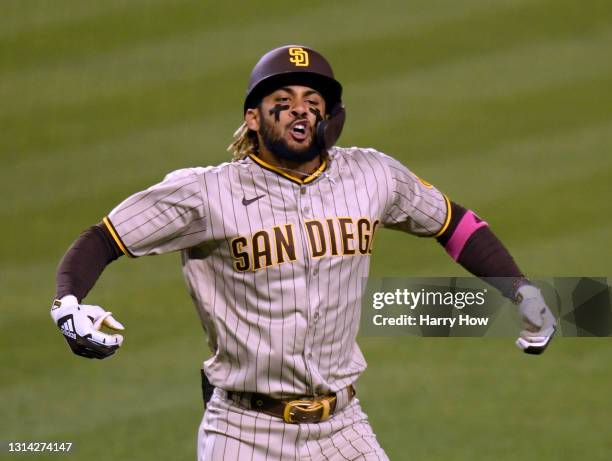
(81, 323)
(539, 323)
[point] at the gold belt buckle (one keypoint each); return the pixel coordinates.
(303, 408)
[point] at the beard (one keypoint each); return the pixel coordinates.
(277, 145)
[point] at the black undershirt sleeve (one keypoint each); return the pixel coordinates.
(485, 256)
(85, 260)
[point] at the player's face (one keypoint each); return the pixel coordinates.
(287, 122)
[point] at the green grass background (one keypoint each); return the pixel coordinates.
(505, 105)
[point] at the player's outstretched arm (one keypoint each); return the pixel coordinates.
(77, 273)
(470, 242)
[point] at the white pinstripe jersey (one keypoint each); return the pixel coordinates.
(275, 265)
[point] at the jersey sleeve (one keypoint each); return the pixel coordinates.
(166, 217)
(414, 205)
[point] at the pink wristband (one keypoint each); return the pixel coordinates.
(466, 227)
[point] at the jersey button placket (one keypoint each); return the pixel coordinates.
(304, 210)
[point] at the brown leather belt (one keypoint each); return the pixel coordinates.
(295, 411)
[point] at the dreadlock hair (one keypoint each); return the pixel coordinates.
(245, 143)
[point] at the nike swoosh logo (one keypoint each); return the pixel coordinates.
(246, 202)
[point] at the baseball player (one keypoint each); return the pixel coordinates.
(274, 247)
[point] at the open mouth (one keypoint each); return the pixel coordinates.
(299, 130)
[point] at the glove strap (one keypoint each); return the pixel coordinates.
(526, 291)
(66, 302)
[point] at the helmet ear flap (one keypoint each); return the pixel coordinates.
(329, 129)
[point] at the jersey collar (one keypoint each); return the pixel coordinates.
(274, 169)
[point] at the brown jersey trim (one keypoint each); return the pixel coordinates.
(109, 225)
(277, 170)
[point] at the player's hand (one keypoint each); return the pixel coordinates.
(538, 321)
(80, 324)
